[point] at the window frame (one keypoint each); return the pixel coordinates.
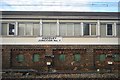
(19, 60)
(100, 59)
(49, 24)
(75, 57)
(115, 57)
(1, 28)
(107, 30)
(32, 28)
(33, 57)
(8, 28)
(90, 29)
(61, 59)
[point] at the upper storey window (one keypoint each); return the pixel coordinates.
(89, 29)
(4, 29)
(28, 29)
(70, 29)
(49, 29)
(8, 29)
(11, 29)
(109, 29)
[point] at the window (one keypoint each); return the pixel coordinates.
(20, 58)
(66, 29)
(86, 29)
(77, 29)
(28, 29)
(62, 57)
(109, 29)
(89, 29)
(36, 29)
(11, 29)
(116, 57)
(77, 57)
(21, 29)
(102, 57)
(63, 29)
(70, 29)
(36, 57)
(8, 29)
(93, 29)
(118, 29)
(103, 29)
(49, 29)
(4, 29)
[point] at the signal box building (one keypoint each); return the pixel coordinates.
(60, 41)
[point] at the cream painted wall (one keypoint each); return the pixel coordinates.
(65, 41)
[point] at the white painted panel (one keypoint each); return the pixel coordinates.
(65, 41)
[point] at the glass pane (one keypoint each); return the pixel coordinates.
(103, 29)
(118, 30)
(86, 29)
(11, 28)
(4, 29)
(77, 57)
(93, 29)
(77, 29)
(36, 29)
(116, 57)
(102, 57)
(20, 58)
(62, 57)
(36, 57)
(109, 29)
(46, 29)
(21, 29)
(63, 29)
(53, 29)
(69, 29)
(28, 30)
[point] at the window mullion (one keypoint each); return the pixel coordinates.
(89, 29)
(41, 30)
(58, 28)
(16, 28)
(49, 29)
(81, 28)
(106, 29)
(98, 28)
(7, 29)
(114, 29)
(32, 29)
(66, 29)
(73, 29)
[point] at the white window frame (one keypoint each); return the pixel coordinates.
(98, 28)
(115, 31)
(90, 29)
(112, 29)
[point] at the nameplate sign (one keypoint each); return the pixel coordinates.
(49, 39)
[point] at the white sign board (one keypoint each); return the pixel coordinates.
(109, 62)
(49, 39)
(48, 63)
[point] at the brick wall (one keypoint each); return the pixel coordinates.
(88, 53)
